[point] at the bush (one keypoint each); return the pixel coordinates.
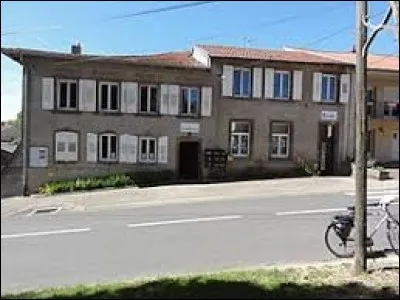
(152, 178)
(89, 183)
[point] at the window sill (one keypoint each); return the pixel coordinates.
(66, 110)
(148, 162)
(240, 157)
(183, 116)
(277, 158)
(108, 161)
(110, 112)
(149, 114)
(65, 162)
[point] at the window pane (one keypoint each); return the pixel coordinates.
(63, 94)
(277, 85)
(184, 103)
(104, 96)
(60, 146)
(324, 88)
(244, 145)
(152, 149)
(274, 145)
(236, 82)
(280, 128)
(395, 110)
(194, 100)
(243, 127)
(143, 147)
(153, 99)
(114, 97)
(234, 144)
(113, 139)
(246, 83)
(386, 109)
(143, 98)
(73, 95)
(332, 88)
(104, 146)
(285, 91)
(284, 145)
(72, 147)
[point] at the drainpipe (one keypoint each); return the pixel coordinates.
(24, 124)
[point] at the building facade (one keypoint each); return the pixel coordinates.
(95, 115)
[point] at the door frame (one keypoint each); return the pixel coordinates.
(336, 148)
(200, 160)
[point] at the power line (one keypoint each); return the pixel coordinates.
(279, 21)
(117, 17)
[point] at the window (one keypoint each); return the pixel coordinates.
(109, 96)
(240, 138)
(281, 84)
(108, 147)
(190, 99)
(66, 146)
(370, 98)
(280, 135)
(328, 88)
(241, 82)
(148, 98)
(147, 149)
(67, 94)
(391, 110)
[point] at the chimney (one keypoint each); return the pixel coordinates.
(353, 50)
(76, 49)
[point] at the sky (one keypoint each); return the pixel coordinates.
(108, 27)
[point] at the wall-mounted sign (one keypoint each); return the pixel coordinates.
(328, 115)
(38, 157)
(190, 127)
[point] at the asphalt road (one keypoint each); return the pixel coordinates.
(66, 248)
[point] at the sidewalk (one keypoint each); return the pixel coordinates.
(134, 197)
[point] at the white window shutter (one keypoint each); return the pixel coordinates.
(344, 88)
(206, 101)
(298, 85)
(122, 148)
(129, 99)
(91, 147)
(317, 87)
(47, 93)
(72, 137)
(131, 148)
(163, 150)
(164, 99)
(87, 95)
(173, 103)
(227, 80)
(268, 83)
(257, 82)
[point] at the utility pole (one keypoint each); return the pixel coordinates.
(363, 42)
(361, 130)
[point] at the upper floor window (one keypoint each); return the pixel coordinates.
(108, 147)
(281, 84)
(280, 139)
(108, 96)
(370, 98)
(66, 148)
(241, 82)
(328, 88)
(190, 100)
(391, 110)
(148, 99)
(240, 138)
(67, 94)
(147, 149)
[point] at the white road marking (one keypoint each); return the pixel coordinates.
(44, 233)
(183, 221)
(381, 192)
(310, 211)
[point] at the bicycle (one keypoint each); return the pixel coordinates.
(341, 227)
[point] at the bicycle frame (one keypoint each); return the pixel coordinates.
(377, 226)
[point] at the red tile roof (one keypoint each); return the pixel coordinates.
(374, 61)
(265, 54)
(181, 59)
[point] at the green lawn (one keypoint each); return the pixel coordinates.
(331, 282)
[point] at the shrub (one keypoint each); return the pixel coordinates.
(152, 178)
(89, 183)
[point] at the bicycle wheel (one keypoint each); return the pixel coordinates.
(338, 246)
(392, 233)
